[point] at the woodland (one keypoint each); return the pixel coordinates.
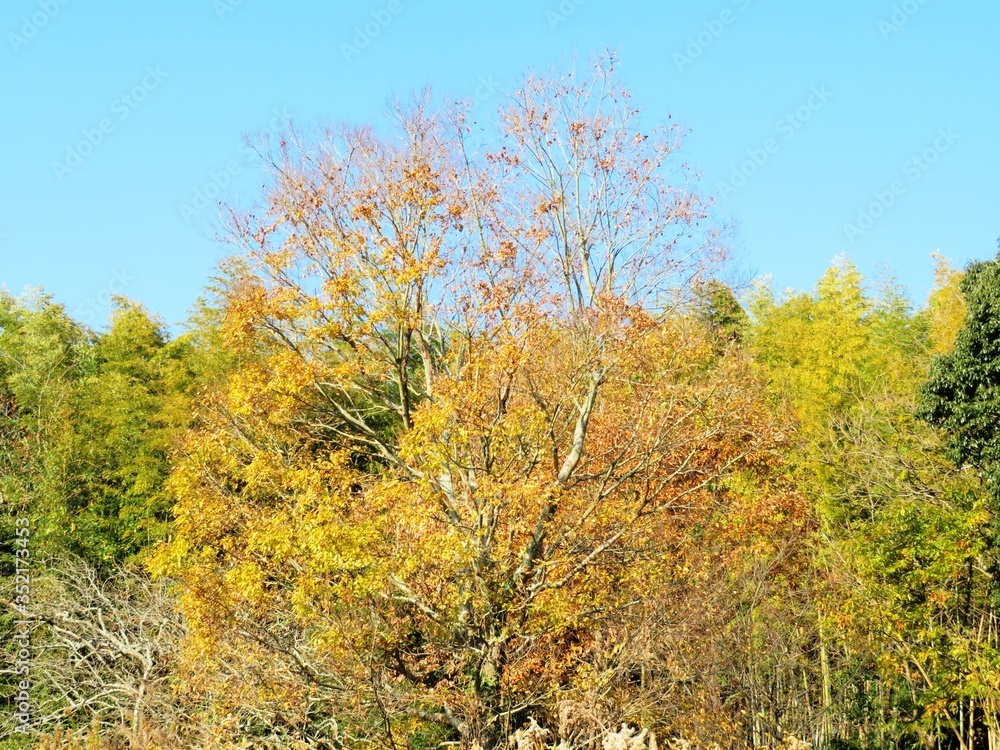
(474, 442)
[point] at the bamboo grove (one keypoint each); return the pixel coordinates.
(470, 444)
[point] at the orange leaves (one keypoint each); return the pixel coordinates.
(464, 435)
(246, 305)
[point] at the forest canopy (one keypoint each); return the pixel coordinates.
(470, 443)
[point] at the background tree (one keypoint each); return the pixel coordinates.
(901, 553)
(89, 420)
(962, 394)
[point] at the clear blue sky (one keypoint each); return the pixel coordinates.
(834, 100)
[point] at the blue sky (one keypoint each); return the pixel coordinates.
(866, 127)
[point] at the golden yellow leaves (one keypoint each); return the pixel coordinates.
(247, 300)
(271, 390)
(463, 435)
(946, 307)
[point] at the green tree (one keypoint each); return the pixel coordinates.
(716, 305)
(87, 424)
(125, 419)
(962, 394)
(42, 353)
(899, 555)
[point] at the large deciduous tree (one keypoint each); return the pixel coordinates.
(475, 415)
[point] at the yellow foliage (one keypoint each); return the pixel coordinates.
(945, 307)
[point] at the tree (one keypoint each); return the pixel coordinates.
(905, 645)
(41, 355)
(40, 352)
(962, 394)
(473, 420)
(717, 306)
(103, 649)
(945, 307)
(962, 397)
(89, 419)
(129, 407)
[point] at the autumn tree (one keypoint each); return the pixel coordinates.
(476, 418)
(946, 306)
